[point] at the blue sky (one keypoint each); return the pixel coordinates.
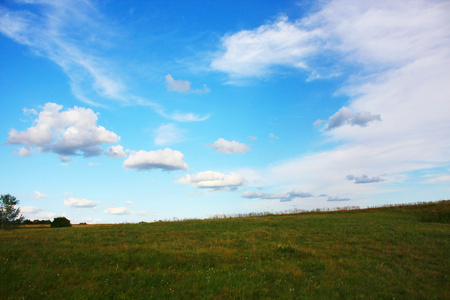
(128, 111)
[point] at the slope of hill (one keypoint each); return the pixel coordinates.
(399, 252)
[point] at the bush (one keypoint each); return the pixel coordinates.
(61, 222)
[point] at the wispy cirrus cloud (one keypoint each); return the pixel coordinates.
(257, 52)
(168, 134)
(395, 120)
(77, 37)
(438, 179)
(44, 26)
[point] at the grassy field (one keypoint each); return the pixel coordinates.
(399, 252)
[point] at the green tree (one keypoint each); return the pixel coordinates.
(61, 222)
(9, 215)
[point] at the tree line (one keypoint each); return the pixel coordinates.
(10, 216)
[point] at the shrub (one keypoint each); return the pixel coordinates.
(61, 222)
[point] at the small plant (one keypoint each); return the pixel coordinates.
(286, 248)
(60, 222)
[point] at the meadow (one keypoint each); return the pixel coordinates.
(400, 252)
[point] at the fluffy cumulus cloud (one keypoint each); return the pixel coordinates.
(116, 151)
(80, 202)
(283, 197)
(227, 147)
(364, 179)
(123, 211)
(168, 134)
(167, 160)
(183, 86)
(70, 132)
(257, 52)
(346, 116)
(213, 180)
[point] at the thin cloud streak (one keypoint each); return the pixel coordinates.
(92, 75)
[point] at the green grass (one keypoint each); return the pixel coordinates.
(400, 252)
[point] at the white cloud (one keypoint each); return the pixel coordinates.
(128, 202)
(80, 202)
(438, 179)
(116, 151)
(123, 211)
(45, 31)
(39, 195)
(24, 152)
(399, 57)
(227, 147)
(168, 134)
(185, 117)
(74, 36)
(380, 33)
(49, 215)
(257, 52)
(375, 34)
(71, 132)
(30, 209)
(213, 180)
(93, 164)
(90, 220)
(167, 160)
(283, 197)
(117, 211)
(183, 86)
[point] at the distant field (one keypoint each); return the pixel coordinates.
(399, 252)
